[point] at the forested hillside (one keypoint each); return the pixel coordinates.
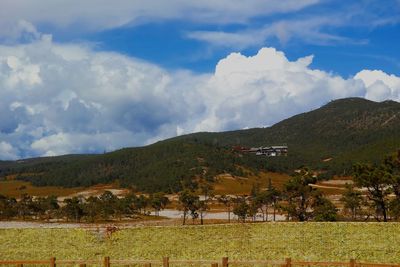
(329, 139)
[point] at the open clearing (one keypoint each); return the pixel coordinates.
(16, 188)
(225, 184)
(373, 242)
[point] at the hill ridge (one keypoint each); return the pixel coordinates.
(347, 130)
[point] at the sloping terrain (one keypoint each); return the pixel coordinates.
(329, 139)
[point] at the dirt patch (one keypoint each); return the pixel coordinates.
(96, 191)
(337, 182)
(326, 187)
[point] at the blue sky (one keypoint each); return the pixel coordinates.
(84, 77)
(367, 36)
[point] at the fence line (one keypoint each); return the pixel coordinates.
(165, 262)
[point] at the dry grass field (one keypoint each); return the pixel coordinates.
(371, 242)
(227, 184)
(15, 188)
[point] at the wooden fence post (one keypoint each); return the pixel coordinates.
(52, 262)
(225, 262)
(214, 264)
(352, 263)
(165, 262)
(106, 262)
(288, 262)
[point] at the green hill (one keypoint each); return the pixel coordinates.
(330, 139)
(342, 132)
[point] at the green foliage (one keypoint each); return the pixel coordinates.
(300, 195)
(381, 181)
(104, 207)
(392, 166)
(324, 210)
(352, 201)
(167, 166)
(188, 201)
(305, 202)
(331, 139)
(242, 209)
(158, 201)
(73, 209)
(344, 131)
(376, 180)
(7, 207)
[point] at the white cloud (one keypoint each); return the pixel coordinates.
(265, 88)
(7, 151)
(97, 15)
(64, 143)
(18, 30)
(57, 99)
(324, 27)
(237, 40)
(21, 73)
(311, 30)
(68, 98)
(379, 85)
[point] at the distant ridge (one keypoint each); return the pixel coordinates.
(345, 131)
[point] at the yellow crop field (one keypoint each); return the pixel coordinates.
(372, 242)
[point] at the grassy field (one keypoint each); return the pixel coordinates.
(373, 242)
(226, 184)
(16, 188)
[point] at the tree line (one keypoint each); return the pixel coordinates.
(93, 208)
(381, 183)
(298, 200)
(374, 195)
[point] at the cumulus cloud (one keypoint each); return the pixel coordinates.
(19, 31)
(7, 151)
(379, 85)
(265, 88)
(68, 98)
(57, 99)
(63, 143)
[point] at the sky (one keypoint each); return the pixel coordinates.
(97, 75)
